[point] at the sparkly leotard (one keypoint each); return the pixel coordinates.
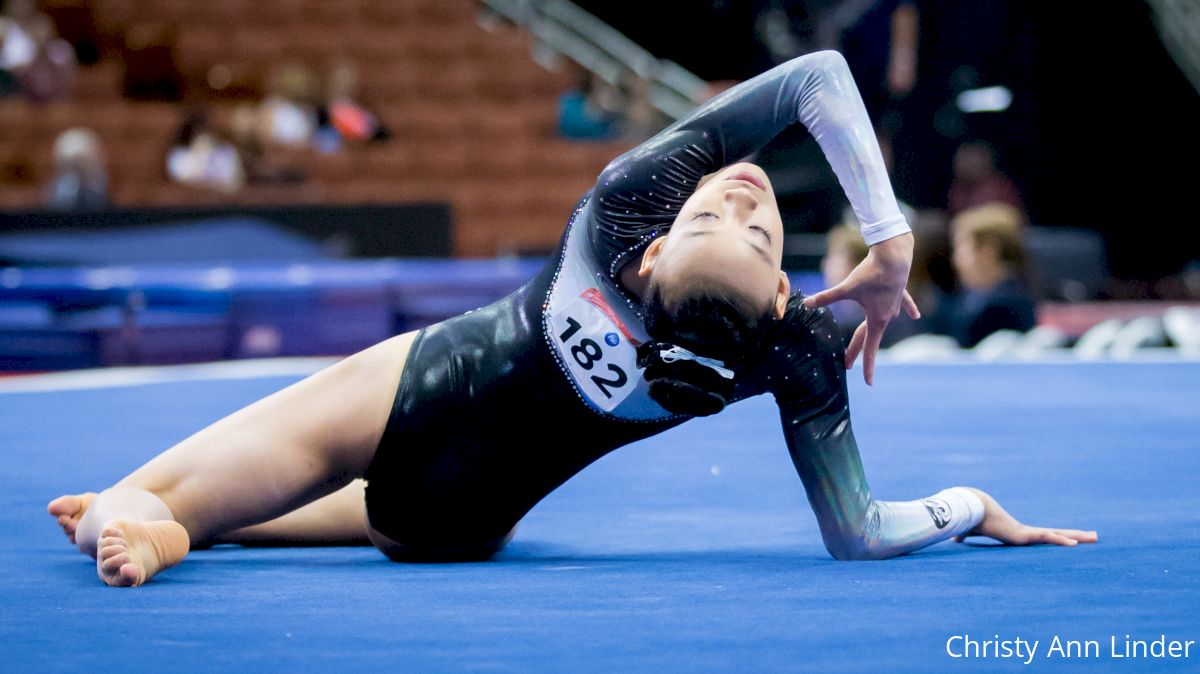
(498, 407)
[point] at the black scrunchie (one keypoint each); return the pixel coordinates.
(683, 386)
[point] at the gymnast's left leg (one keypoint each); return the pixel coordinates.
(337, 519)
(263, 462)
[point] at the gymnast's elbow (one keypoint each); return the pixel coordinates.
(852, 545)
(827, 60)
(847, 549)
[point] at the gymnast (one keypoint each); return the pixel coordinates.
(665, 301)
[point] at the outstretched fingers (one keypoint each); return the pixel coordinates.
(1051, 537)
(1067, 537)
(828, 296)
(865, 341)
(910, 306)
(855, 346)
(1039, 536)
(1078, 535)
(871, 343)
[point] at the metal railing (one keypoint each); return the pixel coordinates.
(565, 29)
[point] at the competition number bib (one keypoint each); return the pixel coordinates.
(597, 348)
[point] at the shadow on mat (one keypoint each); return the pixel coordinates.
(535, 552)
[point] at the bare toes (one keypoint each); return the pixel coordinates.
(64, 505)
(106, 541)
(113, 564)
(110, 550)
(130, 575)
(71, 505)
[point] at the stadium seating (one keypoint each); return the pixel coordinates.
(486, 93)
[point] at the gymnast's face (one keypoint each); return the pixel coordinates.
(729, 234)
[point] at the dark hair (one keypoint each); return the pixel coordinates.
(710, 324)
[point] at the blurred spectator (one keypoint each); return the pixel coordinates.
(932, 276)
(1191, 279)
(1181, 286)
(248, 131)
(77, 25)
(639, 118)
(199, 157)
(35, 60)
(22, 21)
(994, 292)
(16, 51)
(343, 118)
(289, 110)
(80, 178)
(845, 249)
(580, 116)
(977, 180)
(16, 47)
(595, 109)
(51, 75)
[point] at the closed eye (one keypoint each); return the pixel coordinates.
(704, 214)
(764, 232)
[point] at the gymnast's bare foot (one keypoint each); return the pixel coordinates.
(130, 553)
(69, 510)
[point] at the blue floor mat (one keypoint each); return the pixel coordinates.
(691, 551)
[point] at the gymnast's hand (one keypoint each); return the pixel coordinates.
(877, 283)
(998, 524)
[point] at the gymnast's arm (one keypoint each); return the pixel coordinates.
(814, 410)
(853, 524)
(642, 190)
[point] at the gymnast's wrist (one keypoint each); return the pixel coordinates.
(901, 244)
(967, 506)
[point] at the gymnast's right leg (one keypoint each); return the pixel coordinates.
(264, 461)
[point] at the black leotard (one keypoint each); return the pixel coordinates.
(491, 415)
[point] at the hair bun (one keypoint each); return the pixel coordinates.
(683, 386)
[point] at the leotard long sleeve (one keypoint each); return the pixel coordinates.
(500, 406)
(641, 191)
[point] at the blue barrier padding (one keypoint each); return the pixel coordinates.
(25, 314)
(48, 349)
(212, 241)
(253, 310)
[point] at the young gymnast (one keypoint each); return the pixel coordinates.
(665, 301)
